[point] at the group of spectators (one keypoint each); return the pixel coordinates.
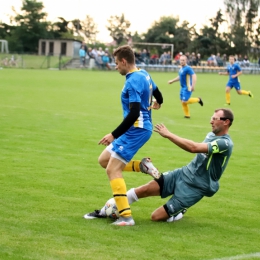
(103, 58)
(144, 57)
(100, 57)
(192, 58)
(217, 60)
(12, 62)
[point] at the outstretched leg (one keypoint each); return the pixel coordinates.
(228, 95)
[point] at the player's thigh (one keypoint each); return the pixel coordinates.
(114, 168)
(151, 188)
(104, 157)
(167, 182)
(183, 195)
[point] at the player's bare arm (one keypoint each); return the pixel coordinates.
(223, 73)
(107, 140)
(174, 80)
(156, 105)
(157, 100)
(194, 80)
(236, 75)
(185, 144)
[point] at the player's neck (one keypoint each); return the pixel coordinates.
(132, 68)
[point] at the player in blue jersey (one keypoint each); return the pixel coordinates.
(134, 131)
(189, 184)
(187, 78)
(234, 71)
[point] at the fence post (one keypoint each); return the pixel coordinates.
(60, 62)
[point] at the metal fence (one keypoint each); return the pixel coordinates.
(32, 61)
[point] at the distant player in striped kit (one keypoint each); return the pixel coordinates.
(187, 78)
(134, 131)
(234, 71)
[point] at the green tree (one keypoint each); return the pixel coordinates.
(31, 25)
(89, 29)
(167, 30)
(211, 40)
(61, 27)
(119, 29)
(242, 15)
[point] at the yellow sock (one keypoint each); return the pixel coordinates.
(132, 166)
(193, 100)
(244, 92)
(186, 109)
(228, 97)
(119, 191)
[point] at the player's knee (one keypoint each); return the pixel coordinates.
(154, 217)
(103, 163)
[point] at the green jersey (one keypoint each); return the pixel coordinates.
(205, 170)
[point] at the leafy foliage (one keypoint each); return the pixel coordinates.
(239, 33)
(119, 28)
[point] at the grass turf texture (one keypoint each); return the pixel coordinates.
(51, 122)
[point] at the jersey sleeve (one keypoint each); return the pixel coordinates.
(227, 69)
(190, 71)
(218, 146)
(133, 92)
(238, 67)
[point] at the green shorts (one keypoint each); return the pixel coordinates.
(184, 196)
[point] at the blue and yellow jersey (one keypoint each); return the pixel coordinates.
(185, 74)
(205, 170)
(232, 70)
(139, 87)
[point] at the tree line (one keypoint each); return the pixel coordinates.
(239, 33)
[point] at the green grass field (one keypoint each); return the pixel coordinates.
(51, 122)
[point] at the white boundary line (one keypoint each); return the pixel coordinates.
(239, 257)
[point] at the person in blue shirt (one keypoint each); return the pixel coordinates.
(82, 56)
(234, 71)
(187, 78)
(134, 131)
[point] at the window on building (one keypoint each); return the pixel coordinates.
(63, 48)
(43, 48)
(51, 48)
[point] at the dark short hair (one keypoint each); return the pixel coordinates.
(227, 113)
(125, 52)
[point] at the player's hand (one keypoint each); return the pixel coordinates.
(156, 105)
(233, 76)
(107, 140)
(170, 82)
(162, 130)
(192, 88)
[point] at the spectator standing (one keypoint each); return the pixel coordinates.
(198, 59)
(193, 59)
(177, 58)
(105, 61)
(163, 58)
(219, 60)
(82, 56)
(246, 61)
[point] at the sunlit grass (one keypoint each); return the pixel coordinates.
(51, 122)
